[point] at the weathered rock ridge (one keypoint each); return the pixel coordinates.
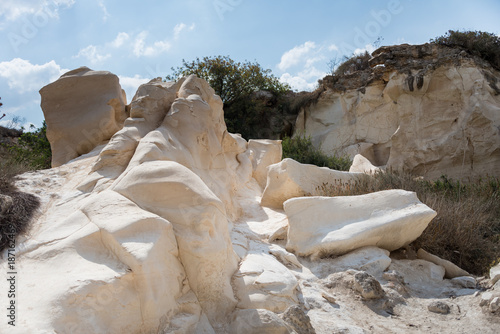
(428, 109)
(174, 225)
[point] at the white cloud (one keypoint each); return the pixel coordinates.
(314, 59)
(104, 10)
(312, 73)
(120, 40)
(297, 82)
(294, 56)
(333, 47)
(92, 54)
(306, 64)
(13, 10)
(180, 27)
(23, 76)
(130, 84)
(141, 49)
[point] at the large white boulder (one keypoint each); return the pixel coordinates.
(289, 178)
(323, 226)
(82, 109)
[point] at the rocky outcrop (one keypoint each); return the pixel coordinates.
(83, 108)
(162, 230)
(427, 109)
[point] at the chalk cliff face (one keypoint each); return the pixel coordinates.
(174, 225)
(428, 109)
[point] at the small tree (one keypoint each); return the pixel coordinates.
(33, 149)
(236, 83)
(231, 80)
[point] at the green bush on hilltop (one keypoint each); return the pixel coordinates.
(478, 43)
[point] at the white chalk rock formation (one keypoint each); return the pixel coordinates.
(322, 226)
(289, 178)
(427, 109)
(82, 109)
(145, 225)
(161, 230)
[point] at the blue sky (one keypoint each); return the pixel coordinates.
(140, 40)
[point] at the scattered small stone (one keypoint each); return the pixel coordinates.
(495, 304)
(439, 307)
(329, 298)
(485, 298)
(368, 286)
(298, 320)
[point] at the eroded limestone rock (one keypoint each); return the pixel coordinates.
(83, 108)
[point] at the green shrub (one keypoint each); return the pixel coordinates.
(479, 43)
(301, 149)
(32, 149)
(466, 230)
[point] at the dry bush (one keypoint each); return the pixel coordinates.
(17, 208)
(466, 230)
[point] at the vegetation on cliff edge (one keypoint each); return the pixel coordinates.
(478, 43)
